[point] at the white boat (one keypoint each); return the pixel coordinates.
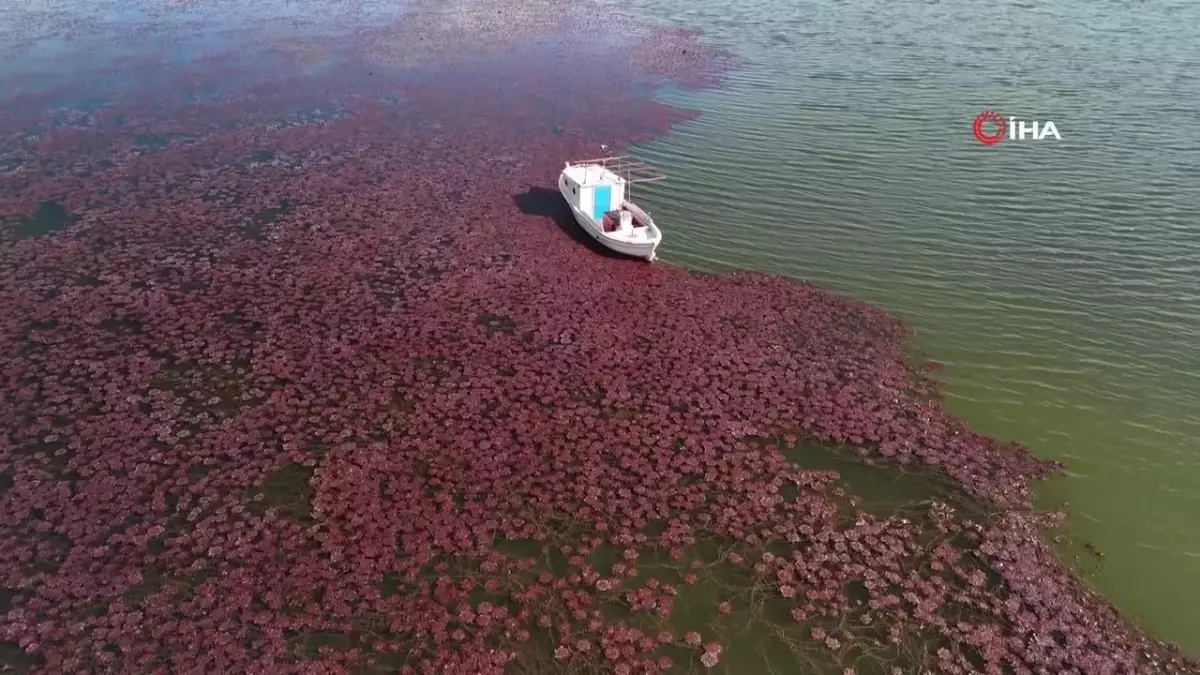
(598, 192)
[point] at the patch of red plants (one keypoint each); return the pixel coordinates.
(323, 353)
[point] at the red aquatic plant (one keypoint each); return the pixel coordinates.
(311, 374)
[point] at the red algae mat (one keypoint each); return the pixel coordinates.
(305, 369)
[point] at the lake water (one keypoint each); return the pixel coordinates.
(1059, 281)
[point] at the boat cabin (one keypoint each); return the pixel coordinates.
(598, 191)
(593, 189)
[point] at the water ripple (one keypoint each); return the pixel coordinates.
(1058, 280)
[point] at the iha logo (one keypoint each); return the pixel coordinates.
(1013, 128)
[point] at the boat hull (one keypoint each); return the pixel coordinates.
(597, 191)
(635, 249)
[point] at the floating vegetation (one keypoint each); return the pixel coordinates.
(354, 412)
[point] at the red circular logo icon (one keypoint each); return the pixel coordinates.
(983, 136)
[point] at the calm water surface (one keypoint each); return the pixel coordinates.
(1059, 281)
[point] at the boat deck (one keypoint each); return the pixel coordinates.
(612, 221)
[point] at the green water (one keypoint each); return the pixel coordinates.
(1059, 281)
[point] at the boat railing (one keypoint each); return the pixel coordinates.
(628, 168)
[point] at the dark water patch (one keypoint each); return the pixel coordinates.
(49, 217)
(248, 326)
(289, 490)
(257, 228)
(154, 141)
(154, 579)
(496, 323)
(269, 215)
(205, 390)
(312, 643)
(38, 331)
(403, 403)
(8, 598)
(159, 578)
(388, 290)
(16, 660)
(51, 550)
(880, 486)
(499, 261)
(394, 584)
(123, 326)
(49, 452)
(196, 472)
